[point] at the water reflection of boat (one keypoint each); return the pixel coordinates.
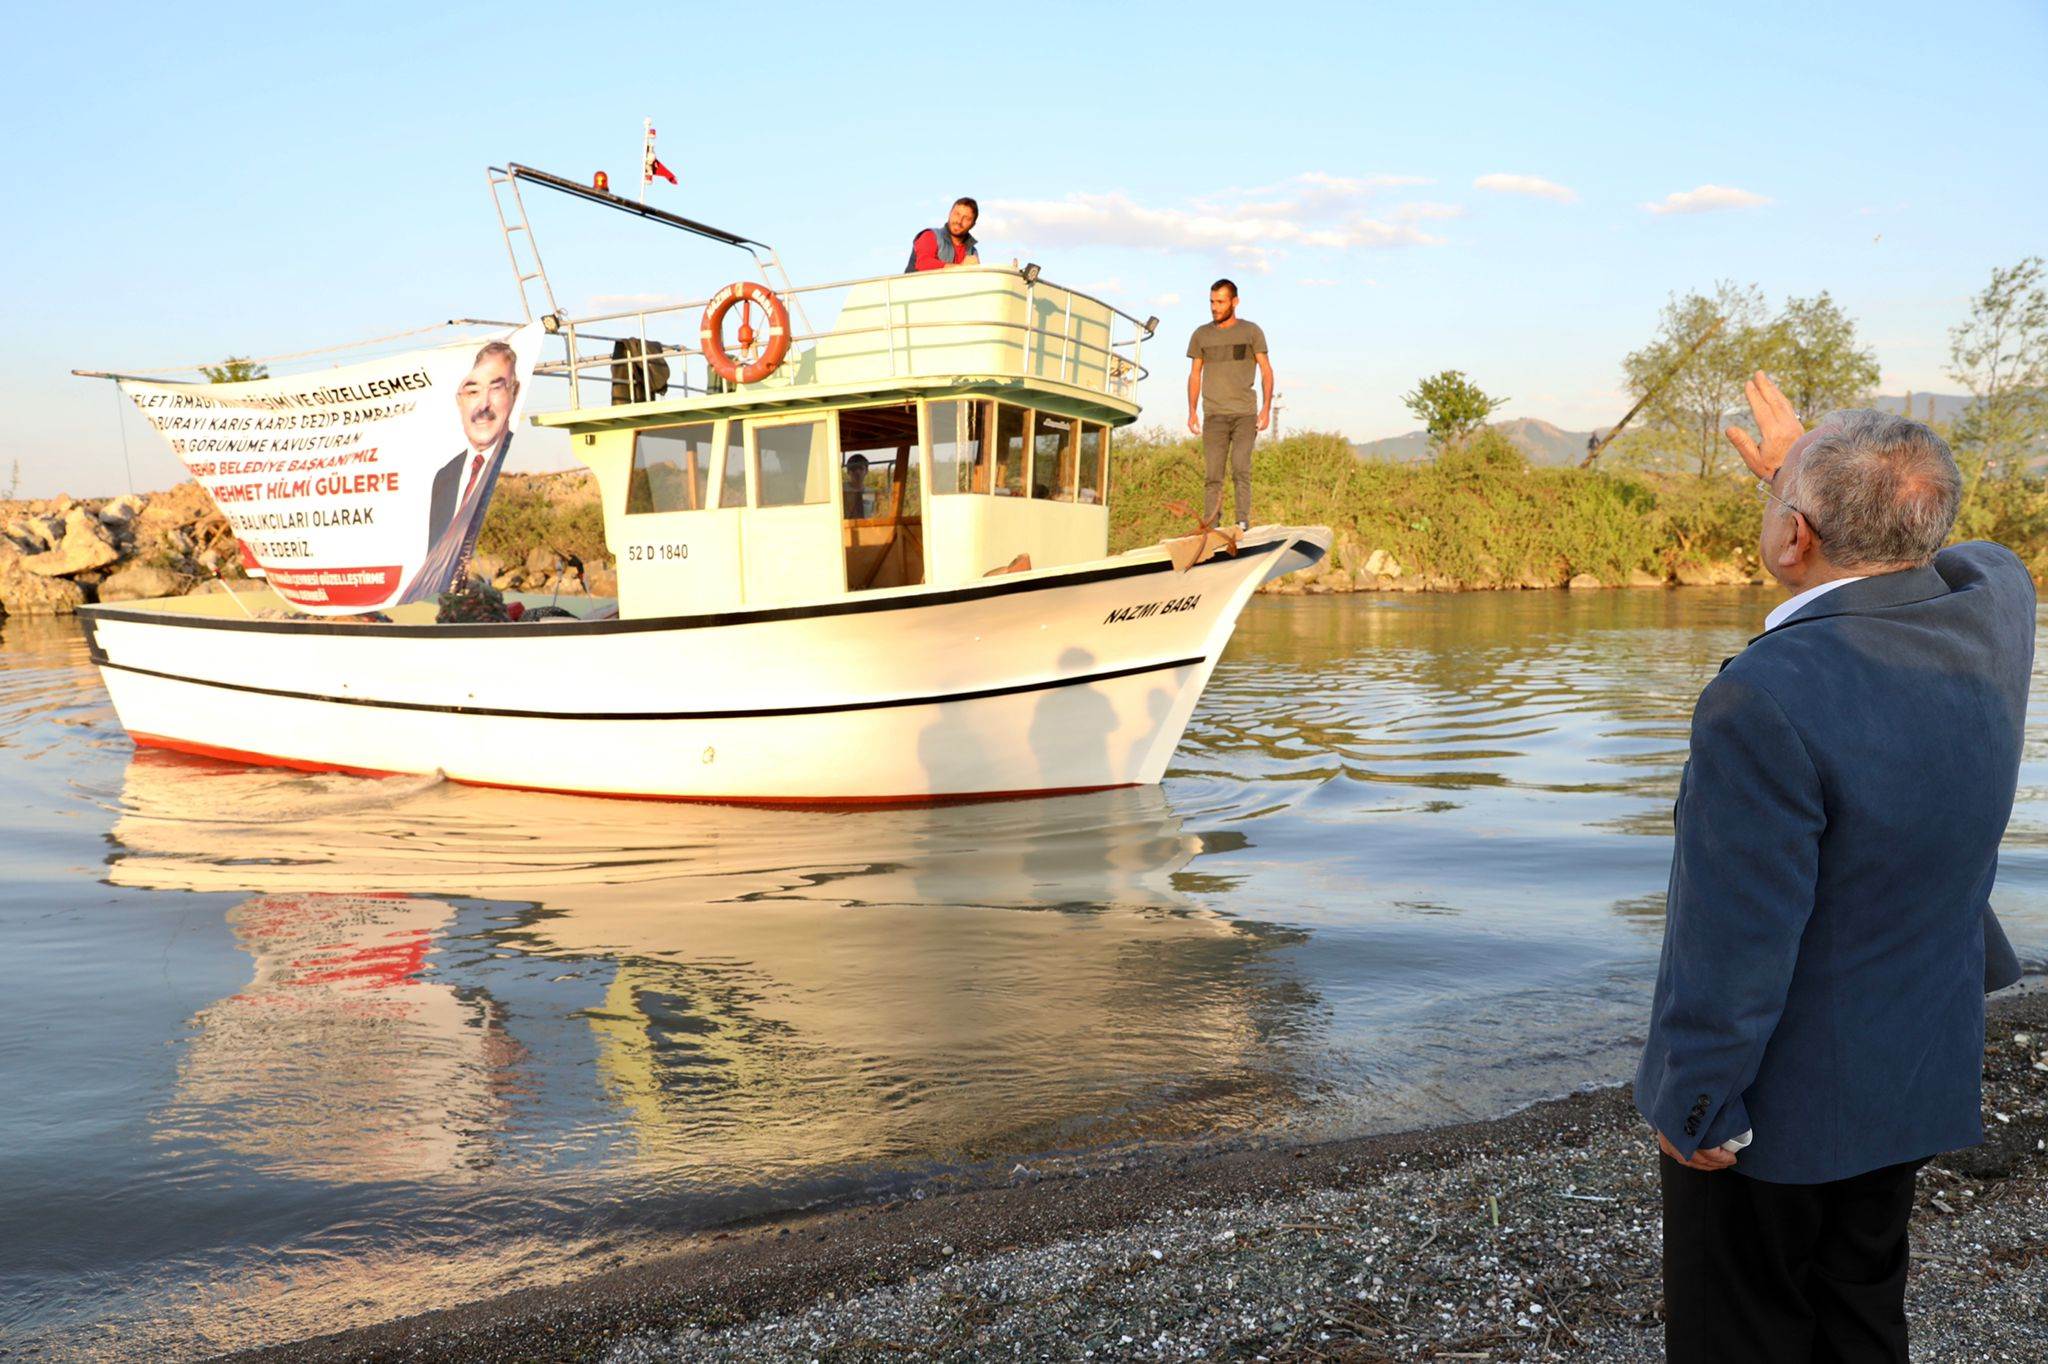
(756, 991)
(194, 824)
(339, 1058)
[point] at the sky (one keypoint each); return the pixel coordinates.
(1513, 191)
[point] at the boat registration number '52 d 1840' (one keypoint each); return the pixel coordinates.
(1152, 608)
(649, 554)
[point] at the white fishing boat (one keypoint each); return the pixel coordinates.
(864, 561)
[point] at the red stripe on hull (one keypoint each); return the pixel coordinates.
(236, 755)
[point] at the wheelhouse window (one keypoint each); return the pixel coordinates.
(732, 481)
(1052, 456)
(878, 461)
(671, 469)
(792, 464)
(1011, 450)
(982, 446)
(1093, 464)
(960, 446)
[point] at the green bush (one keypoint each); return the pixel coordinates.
(1477, 516)
(529, 512)
(2011, 509)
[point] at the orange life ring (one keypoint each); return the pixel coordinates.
(712, 333)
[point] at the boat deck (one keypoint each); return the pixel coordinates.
(975, 330)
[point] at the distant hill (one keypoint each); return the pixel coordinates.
(1545, 444)
(1947, 406)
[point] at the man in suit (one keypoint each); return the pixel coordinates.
(1818, 1026)
(484, 400)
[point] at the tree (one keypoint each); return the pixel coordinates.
(234, 370)
(2001, 355)
(1811, 353)
(1686, 412)
(1450, 407)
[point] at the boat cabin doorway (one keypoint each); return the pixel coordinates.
(882, 525)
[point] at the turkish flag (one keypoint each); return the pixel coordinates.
(663, 171)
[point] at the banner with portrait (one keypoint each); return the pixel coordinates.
(360, 487)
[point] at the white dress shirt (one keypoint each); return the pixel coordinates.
(1786, 609)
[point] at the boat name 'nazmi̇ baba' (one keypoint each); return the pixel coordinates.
(1152, 608)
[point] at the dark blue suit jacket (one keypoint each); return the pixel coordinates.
(1828, 935)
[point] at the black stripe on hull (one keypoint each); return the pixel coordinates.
(892, 703)
(584, 628)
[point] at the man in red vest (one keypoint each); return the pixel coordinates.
(935, 248)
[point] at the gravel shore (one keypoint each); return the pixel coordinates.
(1534, 1237)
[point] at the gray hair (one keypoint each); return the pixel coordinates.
(1878, 489)
(498, 348)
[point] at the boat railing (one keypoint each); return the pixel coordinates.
(1053, 341)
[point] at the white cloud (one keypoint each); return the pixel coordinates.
(1166, 300)
(1533, 185)
(1358, 184)
(1259, 258)
(1254, 226)
(1706, 199)
(1318, 283)
(1423, 210)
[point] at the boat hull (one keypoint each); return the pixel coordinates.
(1055, 681)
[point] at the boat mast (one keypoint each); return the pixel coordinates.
(513, 172)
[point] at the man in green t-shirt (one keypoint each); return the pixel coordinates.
(1225, 352)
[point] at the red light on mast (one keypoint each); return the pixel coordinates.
(602, 182)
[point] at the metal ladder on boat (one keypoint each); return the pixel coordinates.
(515, 223)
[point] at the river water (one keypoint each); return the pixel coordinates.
(285, 1053)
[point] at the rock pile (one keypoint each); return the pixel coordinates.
(1349, 567)
(543, 570)
(57, 554)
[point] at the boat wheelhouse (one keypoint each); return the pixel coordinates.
(947, 425)
(863, 560)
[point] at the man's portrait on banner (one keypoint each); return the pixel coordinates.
(484, 401)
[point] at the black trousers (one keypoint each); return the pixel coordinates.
(1812, 1273)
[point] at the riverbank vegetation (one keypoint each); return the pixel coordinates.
(1665, 500)
(1478, 515)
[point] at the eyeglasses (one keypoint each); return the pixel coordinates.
(1764, 498)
